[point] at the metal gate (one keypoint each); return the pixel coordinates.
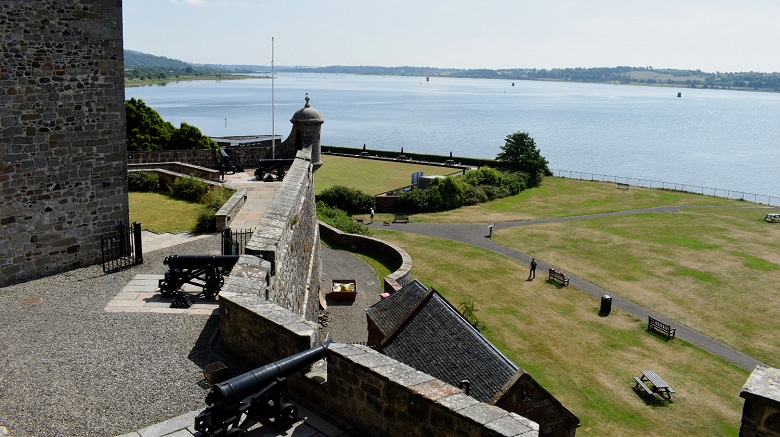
(234, 240)
(121, 249)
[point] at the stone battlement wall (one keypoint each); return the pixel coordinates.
(288, 238)
(62, 164)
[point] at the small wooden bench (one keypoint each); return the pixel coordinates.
(559, 277)
(660, 327)
(622, 186)
(640, 383)
(401, 219)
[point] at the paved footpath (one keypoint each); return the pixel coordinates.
(478, 235)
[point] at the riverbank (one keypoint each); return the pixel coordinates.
(184, 78)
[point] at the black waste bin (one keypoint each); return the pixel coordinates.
(606, 304)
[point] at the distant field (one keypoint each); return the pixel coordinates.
(370, 176)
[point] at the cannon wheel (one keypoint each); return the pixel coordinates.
(235, 432)
(288, 414)
(212, 287)
(165, 288)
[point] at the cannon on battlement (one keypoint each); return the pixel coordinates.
(205, 271)
(259, 395)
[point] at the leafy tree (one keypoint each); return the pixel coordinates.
(519, 153)
(190, 137)
(351, 200)
(146, 130)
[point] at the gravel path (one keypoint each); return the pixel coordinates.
(67, 368)
(346, 319)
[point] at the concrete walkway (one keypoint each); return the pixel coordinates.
(477, 235)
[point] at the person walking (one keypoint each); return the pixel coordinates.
(372, 215)
(532, 273)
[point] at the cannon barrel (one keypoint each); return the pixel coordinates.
(237, 388)
(195, 261)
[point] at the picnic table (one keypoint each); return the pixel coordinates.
(658, 385)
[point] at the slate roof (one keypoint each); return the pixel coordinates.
(434, 338)
(391, 311)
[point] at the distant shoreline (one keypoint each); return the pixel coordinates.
(187, 78)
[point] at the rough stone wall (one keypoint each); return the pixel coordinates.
(62, 127)
(288, 237)
(244, 156)
(374, 393)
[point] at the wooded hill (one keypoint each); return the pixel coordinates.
(139, 64)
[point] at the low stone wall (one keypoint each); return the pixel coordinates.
(201, 157)
(179, 168)
(228, 212)
(403, 262)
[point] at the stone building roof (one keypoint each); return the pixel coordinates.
(391, 311)
(433, 337)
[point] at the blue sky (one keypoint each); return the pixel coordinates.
(711, 35)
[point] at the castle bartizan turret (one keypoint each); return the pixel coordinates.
(307, 125)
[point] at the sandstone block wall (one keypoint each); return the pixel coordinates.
(62, 127)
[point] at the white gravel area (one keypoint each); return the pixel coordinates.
(68, 368)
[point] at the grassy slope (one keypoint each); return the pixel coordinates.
(585, 360)
(696, 266)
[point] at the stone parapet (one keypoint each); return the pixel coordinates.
(288, 238)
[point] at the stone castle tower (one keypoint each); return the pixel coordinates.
(62, 131)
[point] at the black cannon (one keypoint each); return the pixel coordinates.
(226, 164)
(272, 168)
(256, 396)
(206, 271)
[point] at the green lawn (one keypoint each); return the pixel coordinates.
(586, 361)
(370, 176)
(714, 270)
(160, 213)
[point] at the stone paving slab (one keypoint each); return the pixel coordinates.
(142, 294)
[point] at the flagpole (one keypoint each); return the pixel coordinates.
(273, 109)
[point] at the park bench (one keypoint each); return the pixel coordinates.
(559, 277)
(772, 218)
(622, 186)
(660, 327)
(401, 218)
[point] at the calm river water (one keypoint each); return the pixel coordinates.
(706, 138)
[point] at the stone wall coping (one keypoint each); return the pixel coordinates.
(764, 383)
(433, 390)
(229, 210)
